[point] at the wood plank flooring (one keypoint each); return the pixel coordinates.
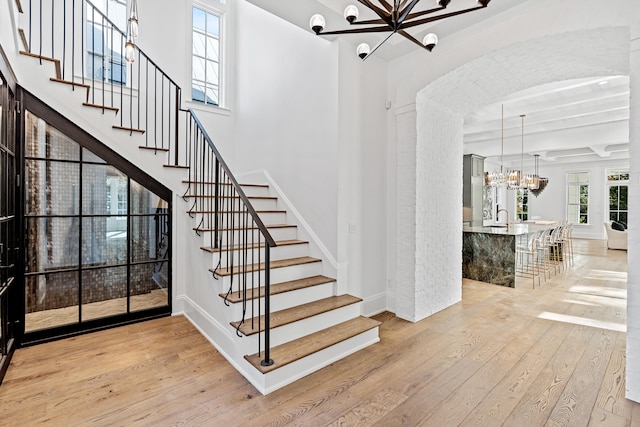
(550, 356)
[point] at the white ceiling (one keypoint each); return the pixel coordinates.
(570, 121)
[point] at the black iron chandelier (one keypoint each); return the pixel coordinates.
(396, 18)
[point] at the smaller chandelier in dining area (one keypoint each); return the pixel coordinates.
(393, 17)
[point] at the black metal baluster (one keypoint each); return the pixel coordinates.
(53, 26)
(267, 307)
(40, 20)
(64, 39)
(82, 39)
(146, 105)
(73, 42)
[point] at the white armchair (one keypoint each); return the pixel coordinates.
(615, 239)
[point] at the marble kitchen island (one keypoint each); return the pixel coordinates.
(489, 253)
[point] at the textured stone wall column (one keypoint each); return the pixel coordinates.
(438, 255)
(429, 212)
(405, 295)
(633, 282)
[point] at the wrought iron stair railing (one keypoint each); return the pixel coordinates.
(88, 49)
(90, 53)
(233, 229)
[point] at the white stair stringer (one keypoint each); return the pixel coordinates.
(287, 374)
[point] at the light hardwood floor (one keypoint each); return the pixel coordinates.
(553, 355)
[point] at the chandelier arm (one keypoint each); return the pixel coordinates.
(410, 37)
(424, 12)
(370, 22)
(402, 14)
(437, 18)
(386, 5)
(357, 30)
(402, 4)
(380, 12)
(378, 45)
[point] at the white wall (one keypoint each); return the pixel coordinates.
(286, 114)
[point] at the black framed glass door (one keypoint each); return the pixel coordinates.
(96, 232)
(8, 225)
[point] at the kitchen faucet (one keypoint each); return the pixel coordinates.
(498, 215)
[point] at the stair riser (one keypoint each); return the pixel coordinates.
(208, 204)
(249, 191)
(238, 220)
(278, 275)
(281, 233)
(300, 368)
(284, 300)
(302, 327)
(253, 256)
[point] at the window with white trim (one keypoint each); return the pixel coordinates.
(105, 47)
(618, 190)
(206, 64)
(522, 204)
(578, 197)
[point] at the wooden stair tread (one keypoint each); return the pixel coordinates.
(128, 129)
(294, 350)
(230, 197)
(176, 166)
(293, 314)
(103, 107)
(274, 264)
(280, 288)
(186, 181)
(70, 83)
(245, 228)
(254, 246)
(143, 147)
(238, 212)
(56, 62)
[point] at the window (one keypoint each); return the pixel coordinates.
(578, 197)
(205, 73)
(618, 189)
(522, 204)
(105, 47)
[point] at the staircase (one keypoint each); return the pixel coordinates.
(279, 310)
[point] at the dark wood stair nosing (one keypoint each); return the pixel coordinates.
(86, 87)
(56, 62)
(224, 230)
(144, 147)
(224, 183)
(290, 262)
(280, 288)
(128, 129)
(102, 107)
(279, 243)
(295, 350)
(259, 211)
(296, 313)
(192, 196)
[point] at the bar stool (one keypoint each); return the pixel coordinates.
(527, 262)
